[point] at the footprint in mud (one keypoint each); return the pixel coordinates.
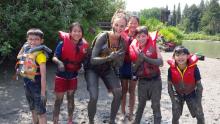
(105, 121)
(83, 122)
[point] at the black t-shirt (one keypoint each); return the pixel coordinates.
(196, 73)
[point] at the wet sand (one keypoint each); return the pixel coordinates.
(14, 108)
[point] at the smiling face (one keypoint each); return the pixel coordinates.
(34, 40)
(118, 25)
(76, 33)
(142, 39)
(181, 59)
(132, 24)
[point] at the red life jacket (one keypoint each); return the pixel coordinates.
(184, 82)
(145, 70)
(72, 58)
(128, 41)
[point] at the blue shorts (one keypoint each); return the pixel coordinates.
(33, 95)
(125, 71)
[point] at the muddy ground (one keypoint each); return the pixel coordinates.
(14, 108)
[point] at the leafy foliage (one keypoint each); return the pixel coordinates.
(151, 13)
(172, 34)
(16, 17)
(205, 17)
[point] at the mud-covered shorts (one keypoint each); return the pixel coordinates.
(109, 78)
(33, 95)
(193, 102)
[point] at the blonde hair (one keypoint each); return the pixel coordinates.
(119, 14)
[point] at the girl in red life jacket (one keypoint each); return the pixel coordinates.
(128, 85)
(184, 84)
(69, 55)
(146, 58)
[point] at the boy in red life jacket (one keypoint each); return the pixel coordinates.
(146, 58)
(69, 55)
(184, 85)
(34, 74)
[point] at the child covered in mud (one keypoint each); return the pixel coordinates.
(184, 84)
(146, 58)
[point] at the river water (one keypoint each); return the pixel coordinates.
(209, 49)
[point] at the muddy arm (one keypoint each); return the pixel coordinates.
(158, 61)
(95, 58)
(199, 88)
(171, 92)
(59, 63)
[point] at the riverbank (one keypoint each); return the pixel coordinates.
(14, 108)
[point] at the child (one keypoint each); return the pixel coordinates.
(184, 84)
(34, 73)
(128, 85)
(69, 55)
(146, 58)
(22, 55)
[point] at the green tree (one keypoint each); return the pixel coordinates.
(210, 21)
(18, 16)
(202, 9)
(202, 6)
(178, 14)
(185, 11)
(151, 13)
(194, 17)
(191, 18)
(174, 17)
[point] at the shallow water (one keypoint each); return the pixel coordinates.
(207, 48)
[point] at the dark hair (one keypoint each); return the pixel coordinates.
(142, 29)
(76, 24)
(180, 49)
(119, 14)
(35, 31)
(80, 40)
(135, 17)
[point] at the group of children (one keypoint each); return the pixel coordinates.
(121, 57)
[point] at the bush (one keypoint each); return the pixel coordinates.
(16, 17)
(172, 34)
(152, 24)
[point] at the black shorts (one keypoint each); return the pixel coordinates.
(33, 95)
(125, 71)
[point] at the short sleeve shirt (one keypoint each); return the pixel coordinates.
(41, 58)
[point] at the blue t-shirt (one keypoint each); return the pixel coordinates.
(58, 50)
(58, 53)
(196, 73)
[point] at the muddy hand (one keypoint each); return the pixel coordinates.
(44, 100)
(61, 66)
(113, 55)
(141, 56)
